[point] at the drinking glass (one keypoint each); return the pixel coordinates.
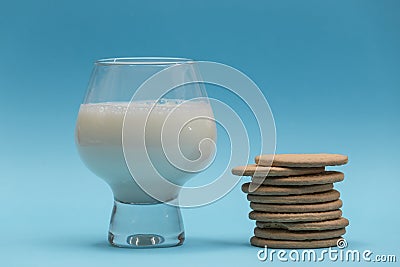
(168, 121)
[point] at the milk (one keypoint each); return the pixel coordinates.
(99, 142)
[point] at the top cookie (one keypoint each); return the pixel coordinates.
(301, 160)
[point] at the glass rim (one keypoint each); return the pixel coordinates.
(143, 61)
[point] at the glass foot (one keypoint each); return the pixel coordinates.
(145, 225)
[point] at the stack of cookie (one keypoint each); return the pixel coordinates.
(293, 200)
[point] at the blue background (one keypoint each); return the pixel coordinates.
(329, 69)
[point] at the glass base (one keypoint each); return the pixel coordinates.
(145, 225)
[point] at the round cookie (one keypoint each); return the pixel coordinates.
(323, 243)
(281, 234)
(301, 160)
(319, 178)
(296, 199)
(262, 171)
(297, 208)
(295, 217)
(270, 190)
(307, 226)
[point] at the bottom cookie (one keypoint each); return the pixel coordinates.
(281, 234)
(323, 243)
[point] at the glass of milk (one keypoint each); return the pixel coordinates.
(171, 126)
